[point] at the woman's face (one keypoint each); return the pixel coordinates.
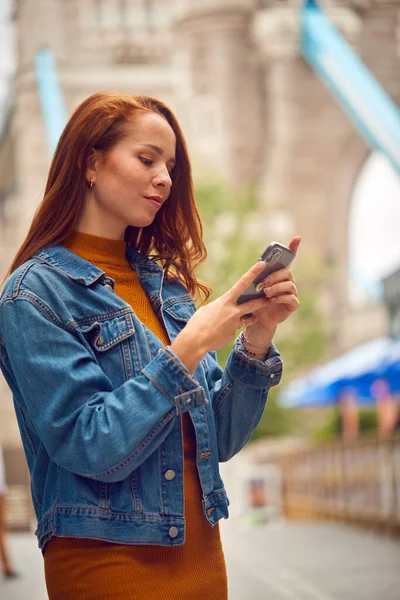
(132, 180)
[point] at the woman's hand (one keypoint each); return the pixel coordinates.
(212, 326)
(281, 292)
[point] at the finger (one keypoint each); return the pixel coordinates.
(294, 244)
(291, 301)
(286, 287)
(252, 305)
(281, 275)
(246, 279)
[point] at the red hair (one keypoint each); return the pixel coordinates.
(175, 238)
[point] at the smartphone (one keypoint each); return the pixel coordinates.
(276, 257)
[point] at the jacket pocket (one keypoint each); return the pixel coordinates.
(180, 308)
(110, 339)
(104, 334)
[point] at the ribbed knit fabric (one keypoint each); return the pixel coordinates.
(86, 569)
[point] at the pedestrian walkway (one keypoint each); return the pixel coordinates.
(293, 561)
(28, 561)
(310, 561)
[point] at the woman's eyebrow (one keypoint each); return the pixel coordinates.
(159, 151)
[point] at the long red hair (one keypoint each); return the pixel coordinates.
(175, 238)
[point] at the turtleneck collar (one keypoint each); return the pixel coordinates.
(97, 249)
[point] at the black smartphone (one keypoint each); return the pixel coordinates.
(276, 257)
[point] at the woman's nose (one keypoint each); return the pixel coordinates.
(163, 178)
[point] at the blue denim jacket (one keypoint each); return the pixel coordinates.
(98, 399)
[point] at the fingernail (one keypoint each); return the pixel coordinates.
(267, 290)
(267, 283)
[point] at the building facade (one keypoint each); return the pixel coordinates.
(250, 106)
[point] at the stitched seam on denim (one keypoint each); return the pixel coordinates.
(17, 284)
(165, 351)
(179, 300)
(83, 510)
(162, 479)
(223, 394)
(127, 360)
(248, 385)
(42, 306)
(89, 281)
(158, 386)
(14, 292)
(114, 341)
(264, 366)
(185, 299)
(138, 450)
(177, 317)
(49, 262)
(118, 312)
(137, 504)
(207, 437)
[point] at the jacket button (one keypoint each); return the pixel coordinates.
(109, 287)
(173, 532)
(170, 474)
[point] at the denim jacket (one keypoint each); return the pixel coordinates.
(98, 400)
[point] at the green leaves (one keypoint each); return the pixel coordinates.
(230, 218)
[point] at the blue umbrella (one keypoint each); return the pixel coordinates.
(356, 369)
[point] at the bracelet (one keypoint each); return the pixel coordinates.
(244, 338)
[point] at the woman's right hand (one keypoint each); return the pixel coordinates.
(213, 325)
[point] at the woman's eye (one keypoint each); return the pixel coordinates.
(146, 161)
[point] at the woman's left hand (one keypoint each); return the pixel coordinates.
(280, 289)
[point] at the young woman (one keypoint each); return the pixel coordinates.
(123, 410)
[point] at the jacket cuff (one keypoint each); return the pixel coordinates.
(168, 373)
(253, 372)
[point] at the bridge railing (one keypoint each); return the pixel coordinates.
(357, 481)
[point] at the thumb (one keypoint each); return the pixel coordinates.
(294, 244)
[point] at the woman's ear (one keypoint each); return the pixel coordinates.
(92, 164)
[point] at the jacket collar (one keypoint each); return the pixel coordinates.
(86, 273)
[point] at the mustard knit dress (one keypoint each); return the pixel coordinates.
(85, 569)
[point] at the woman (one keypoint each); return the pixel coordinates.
(123, 410)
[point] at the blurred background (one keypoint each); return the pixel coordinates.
(290, 110)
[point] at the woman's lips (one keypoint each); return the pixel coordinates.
(156, 200)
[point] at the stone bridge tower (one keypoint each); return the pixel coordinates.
(250, 106)
(274, 120)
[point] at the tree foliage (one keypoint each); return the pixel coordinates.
(227, 217)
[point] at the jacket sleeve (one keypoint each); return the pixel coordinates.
(85, 425)
(239, 394)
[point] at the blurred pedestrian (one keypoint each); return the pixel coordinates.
(7, 569)
(123, 409)
(350, 416)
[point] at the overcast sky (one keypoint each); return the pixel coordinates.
(374, 220)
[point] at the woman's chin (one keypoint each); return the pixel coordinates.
(143, 222)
